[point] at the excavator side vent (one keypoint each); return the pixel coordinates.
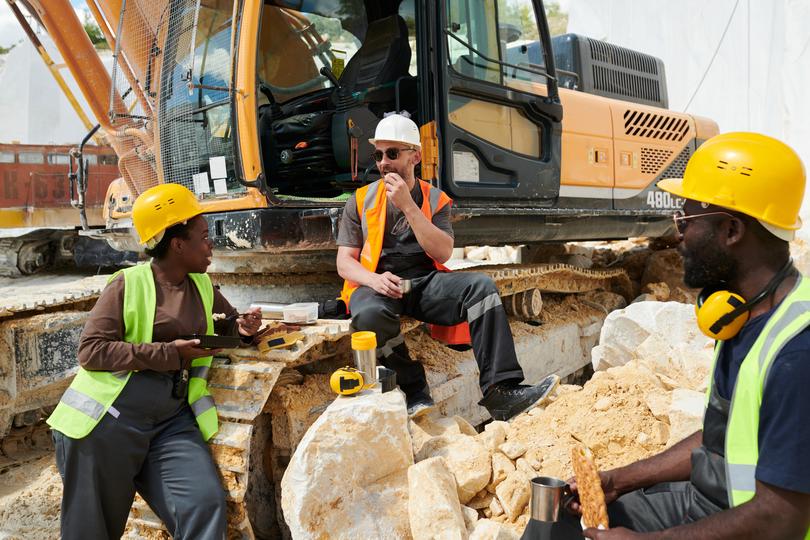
(659, 126)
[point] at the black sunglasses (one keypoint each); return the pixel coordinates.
(390, 153)
(682, 220)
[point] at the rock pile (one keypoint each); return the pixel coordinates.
(348, 478)
(450, 481)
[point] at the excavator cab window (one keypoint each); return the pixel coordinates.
(195, 100)
(501, 134)
(328, 70)
(295, 45)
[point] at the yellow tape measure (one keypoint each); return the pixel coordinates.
(347, 381)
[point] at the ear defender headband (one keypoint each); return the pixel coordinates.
(721, 313)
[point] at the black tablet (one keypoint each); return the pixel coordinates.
(216, 342)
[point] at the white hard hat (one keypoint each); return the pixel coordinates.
(397, 128)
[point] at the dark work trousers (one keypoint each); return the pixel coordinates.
(155, 448)
(447, 299)
(660, 507)
(675, 503)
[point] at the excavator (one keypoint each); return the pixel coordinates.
(264, 108)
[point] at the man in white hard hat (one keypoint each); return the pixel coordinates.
(397, 229)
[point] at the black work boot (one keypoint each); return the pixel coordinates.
(508, 399)
(419, 403)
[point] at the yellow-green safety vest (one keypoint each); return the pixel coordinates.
(742, 429)
(92, 393)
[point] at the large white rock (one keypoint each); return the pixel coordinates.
(429, 427)
(486, 529)
(661, 335)
(470, 463)
(514, 493)
(348, 478)
(494, 435)
(502, 467)
(685, 414)
(434, 509)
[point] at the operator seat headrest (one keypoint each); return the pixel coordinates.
(384, 57)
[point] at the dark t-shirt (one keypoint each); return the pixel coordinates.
(784, 429)
(401, 252)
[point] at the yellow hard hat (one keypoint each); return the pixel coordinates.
(160, 207)
(751, 173)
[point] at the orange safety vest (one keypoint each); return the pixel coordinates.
(371, 206)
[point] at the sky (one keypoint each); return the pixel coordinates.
(10, 31)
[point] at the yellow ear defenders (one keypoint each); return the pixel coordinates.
(721, 313)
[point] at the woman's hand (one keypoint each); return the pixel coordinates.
(250, 322)
(189, 349)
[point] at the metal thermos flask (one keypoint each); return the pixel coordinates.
(364, 349)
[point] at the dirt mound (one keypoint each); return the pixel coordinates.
(30, 496)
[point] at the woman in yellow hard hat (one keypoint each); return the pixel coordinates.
(138, 413)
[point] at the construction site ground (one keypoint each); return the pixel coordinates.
(623, 413)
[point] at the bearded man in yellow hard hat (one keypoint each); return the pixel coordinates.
(396, 231)
(746, 474)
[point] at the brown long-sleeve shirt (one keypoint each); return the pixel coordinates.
(179, 312)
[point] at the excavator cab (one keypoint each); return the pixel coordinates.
(329, 71)
(328, 76)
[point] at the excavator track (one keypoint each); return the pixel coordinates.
(24, 444)
(30, 295)
(557, 278)
(249, 457)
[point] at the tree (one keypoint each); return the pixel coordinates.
(94, 33)
(6, 50)
(557, 19)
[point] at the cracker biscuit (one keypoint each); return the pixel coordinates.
(589, 486)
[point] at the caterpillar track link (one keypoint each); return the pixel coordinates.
(28, 440)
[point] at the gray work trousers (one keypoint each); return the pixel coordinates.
(660, 507)
(447, 299)
(155, 448)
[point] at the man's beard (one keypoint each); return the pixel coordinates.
(391, 169)
(706, 265)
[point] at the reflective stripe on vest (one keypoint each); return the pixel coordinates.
(202, 404)
(742, 431)
(92, 393)
(371, 209)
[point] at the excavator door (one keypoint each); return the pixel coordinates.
(498, 112)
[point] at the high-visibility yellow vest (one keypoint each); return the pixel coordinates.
(371, 209)
(92, 393)
(742, 429)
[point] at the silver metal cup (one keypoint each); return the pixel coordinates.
(548, 498)
(404, 286)
(366, 362)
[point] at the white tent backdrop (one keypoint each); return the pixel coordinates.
(759, 79)
(33, 109)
